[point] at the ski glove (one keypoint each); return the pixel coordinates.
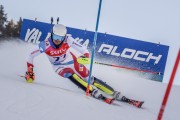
(29, 74)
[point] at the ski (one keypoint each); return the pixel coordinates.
(107, 100)
(135, 103)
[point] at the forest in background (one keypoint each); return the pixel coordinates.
(9, 29)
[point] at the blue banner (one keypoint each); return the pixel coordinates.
(110, 50)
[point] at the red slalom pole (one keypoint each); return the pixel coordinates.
(168, 89)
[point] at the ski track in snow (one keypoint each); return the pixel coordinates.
(52, 97)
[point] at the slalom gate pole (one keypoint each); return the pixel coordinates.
(168, 89)
(93, 48)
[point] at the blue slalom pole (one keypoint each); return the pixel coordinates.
(93, 48)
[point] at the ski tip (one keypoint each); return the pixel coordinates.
(109, 100)
(140, 104)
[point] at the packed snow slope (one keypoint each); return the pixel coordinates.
(52, 97)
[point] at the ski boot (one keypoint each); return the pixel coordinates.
(96, 94)
(117, 95)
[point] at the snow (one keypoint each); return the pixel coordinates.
(52, 97)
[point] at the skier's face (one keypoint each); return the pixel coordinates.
(57, 39)
(57, 42)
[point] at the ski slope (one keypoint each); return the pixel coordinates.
(52, 97)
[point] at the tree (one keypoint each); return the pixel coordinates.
(17, 28)
(9, 28)
(9, 32)
(3, 20)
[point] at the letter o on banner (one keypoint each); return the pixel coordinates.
(128, 53)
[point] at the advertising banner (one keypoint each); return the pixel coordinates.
(145, 58)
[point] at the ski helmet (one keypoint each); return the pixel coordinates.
(59, 32)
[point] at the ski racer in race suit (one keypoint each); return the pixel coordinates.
(65, 64)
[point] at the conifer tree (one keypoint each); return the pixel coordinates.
(9, 32)
(3, 20)
(17, 28)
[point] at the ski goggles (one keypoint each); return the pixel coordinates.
(57, 37)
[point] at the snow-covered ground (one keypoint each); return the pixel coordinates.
(51, 97)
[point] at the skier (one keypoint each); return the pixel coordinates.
(65, 64)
